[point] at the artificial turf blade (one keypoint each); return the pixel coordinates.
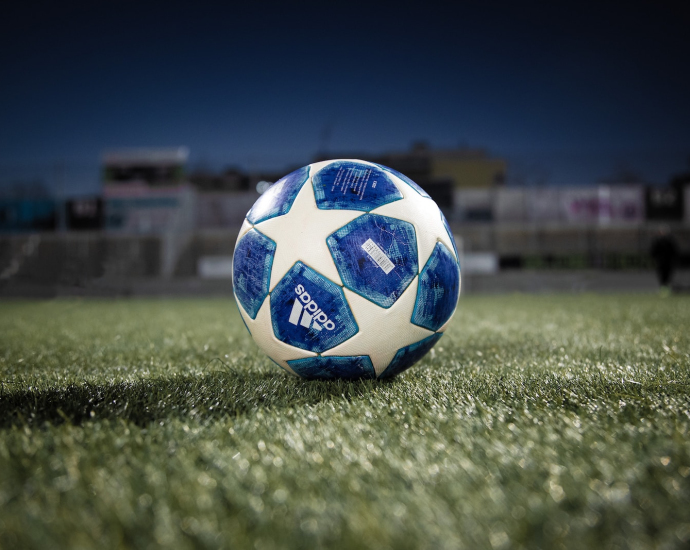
(549, 421)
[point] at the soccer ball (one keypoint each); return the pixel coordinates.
(346, 269)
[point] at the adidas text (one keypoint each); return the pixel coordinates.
(309, 311)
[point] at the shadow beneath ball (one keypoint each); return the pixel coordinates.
(215, 395)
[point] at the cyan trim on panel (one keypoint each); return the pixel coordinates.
(237, 304)
(409, 355)
(438, 289)
(251, 270)
(407, 180)
(328, 368)
(278, 199)
(450, 236)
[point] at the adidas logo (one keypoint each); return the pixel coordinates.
(307, 313)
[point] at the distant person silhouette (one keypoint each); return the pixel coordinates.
(664, 252)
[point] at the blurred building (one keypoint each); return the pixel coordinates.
(443, 172)
(228, 180)
(583, 205)
(157, 220)
(146, 192)
(27, 206)
(28, 215)
(468, 168)
(84, 214)
(665, 203)
(153, 167)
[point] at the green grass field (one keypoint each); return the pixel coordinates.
(537, 422)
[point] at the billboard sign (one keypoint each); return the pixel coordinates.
(664, 204)
(20, 215)
(85, 214)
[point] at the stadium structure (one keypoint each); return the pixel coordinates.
(157, 226)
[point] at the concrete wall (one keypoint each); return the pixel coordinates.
(77, 258)
(86, 259)
(223, 210)
(506, 239)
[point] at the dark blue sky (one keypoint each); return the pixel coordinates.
(567, 92)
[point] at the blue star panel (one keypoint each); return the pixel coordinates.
(310, 312)
(438, 290)
(251, 270)
(327, 368)
(407, 180)
(408, 356)
(376, 257)
(278, 199)
(347, 185)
